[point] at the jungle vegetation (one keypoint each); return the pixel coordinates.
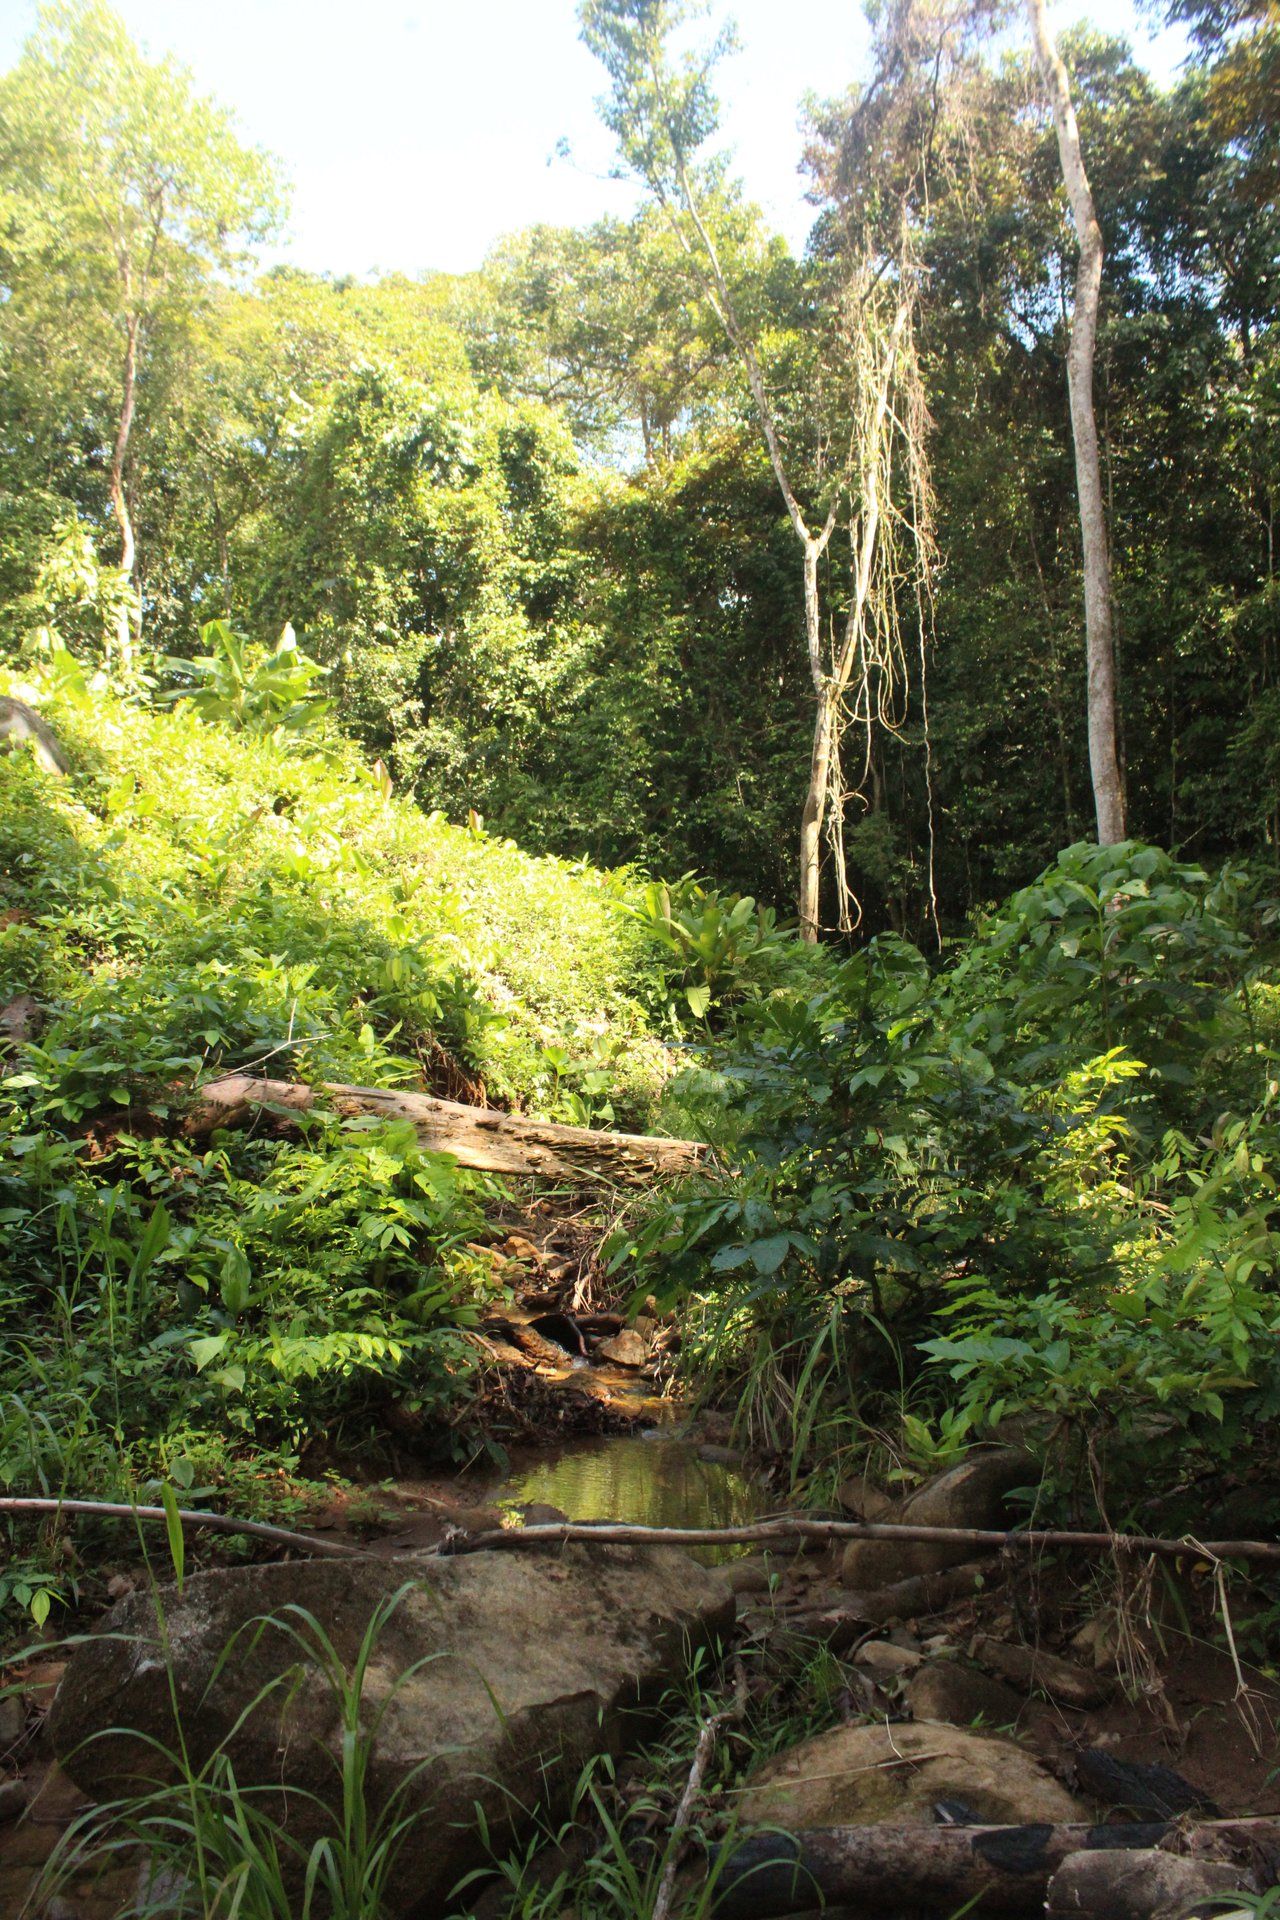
(470, 681)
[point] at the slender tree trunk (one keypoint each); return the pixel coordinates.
(814, 814)
(1104, 760)
(119, 503)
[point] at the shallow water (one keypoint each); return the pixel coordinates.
(656, 1480)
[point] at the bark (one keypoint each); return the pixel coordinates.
(879, 1868)
(119, 503)
(815, 806)
(1104, 763)
(212, 1522)
(478, 1137)
(790, 1527)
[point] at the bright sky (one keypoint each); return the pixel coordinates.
(415, 132)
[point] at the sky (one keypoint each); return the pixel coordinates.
(416, 132)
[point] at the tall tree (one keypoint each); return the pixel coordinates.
(662, 110)
(1104, 758)
(127, 193)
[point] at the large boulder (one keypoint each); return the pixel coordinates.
(970, 1495)
(21, 725)
(896, 1775)
(494, 1679)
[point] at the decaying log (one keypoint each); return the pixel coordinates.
(797, 1527)
(477, 1137)
(878, 1867)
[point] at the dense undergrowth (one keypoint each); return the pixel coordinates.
(221, 885)
(1038, 1180)
(1034, 1179)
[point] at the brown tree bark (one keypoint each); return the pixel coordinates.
(1104, 760)
(478, 1137)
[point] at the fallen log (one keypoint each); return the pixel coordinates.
(1008, 1869)
(479, 1137)
(793, 1527)
(189, 1516)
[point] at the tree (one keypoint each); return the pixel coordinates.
(128, 194)
(1104, 759)
(662, 110)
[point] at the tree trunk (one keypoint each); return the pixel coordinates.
(119, 504)
(1104, 760)
(480, 1137)
(815, 807)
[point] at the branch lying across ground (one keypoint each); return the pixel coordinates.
(790, 1527)
(479, 1137)
(190, 1517)
(1007, 1868)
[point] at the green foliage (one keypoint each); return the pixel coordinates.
(248, 688)
(993, 1199)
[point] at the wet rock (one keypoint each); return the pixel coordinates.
(858, 1776)
(722, 1456)
(494, 1680)
(1038, 1672)
(970, 1495)
(625, 1349)
(959, 1696)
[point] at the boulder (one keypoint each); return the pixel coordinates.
(970, 1495)
(959, 1696)
(896, 1775)
(21, 725)
(1144, 1883)
(495, 1677)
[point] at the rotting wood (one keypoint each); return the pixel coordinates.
(773, 1874)
(189, 1516)
(791, 1528)
(481, 1138)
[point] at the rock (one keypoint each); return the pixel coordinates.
(1039, 1672)
(884, 1660)
(862, 1776)
(541, 1513)
(13, 1720)
(21, 725)
(626, 1349)
(496, 1677)
(864, 1500)
(1139, 1884)
(20, 1021)
(970, 1495)
(13, 1800)
(722, 1456)
(959, 1696)
(923, 1594)
(754, 1574)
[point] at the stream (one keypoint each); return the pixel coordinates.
(655, 1479)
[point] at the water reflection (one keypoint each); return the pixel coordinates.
(654, 1482)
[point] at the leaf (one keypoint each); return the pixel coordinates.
(699, 999)
(207, 1348)
(768, 1255)
(173, 1528)
(41, 1602)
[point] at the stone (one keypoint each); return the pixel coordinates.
(863, 1499)
(861, 1776)
(959, 1696)
(13, 1800)
(626, 1349)
(1038, 1672)
(495, 1678)
(885, 1660)
(754, 1574)
(20, 1021)
(1141, 1883)
(13, 1720)
(970, 1495)
(21, 725)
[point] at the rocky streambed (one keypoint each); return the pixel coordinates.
(938, 1701)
